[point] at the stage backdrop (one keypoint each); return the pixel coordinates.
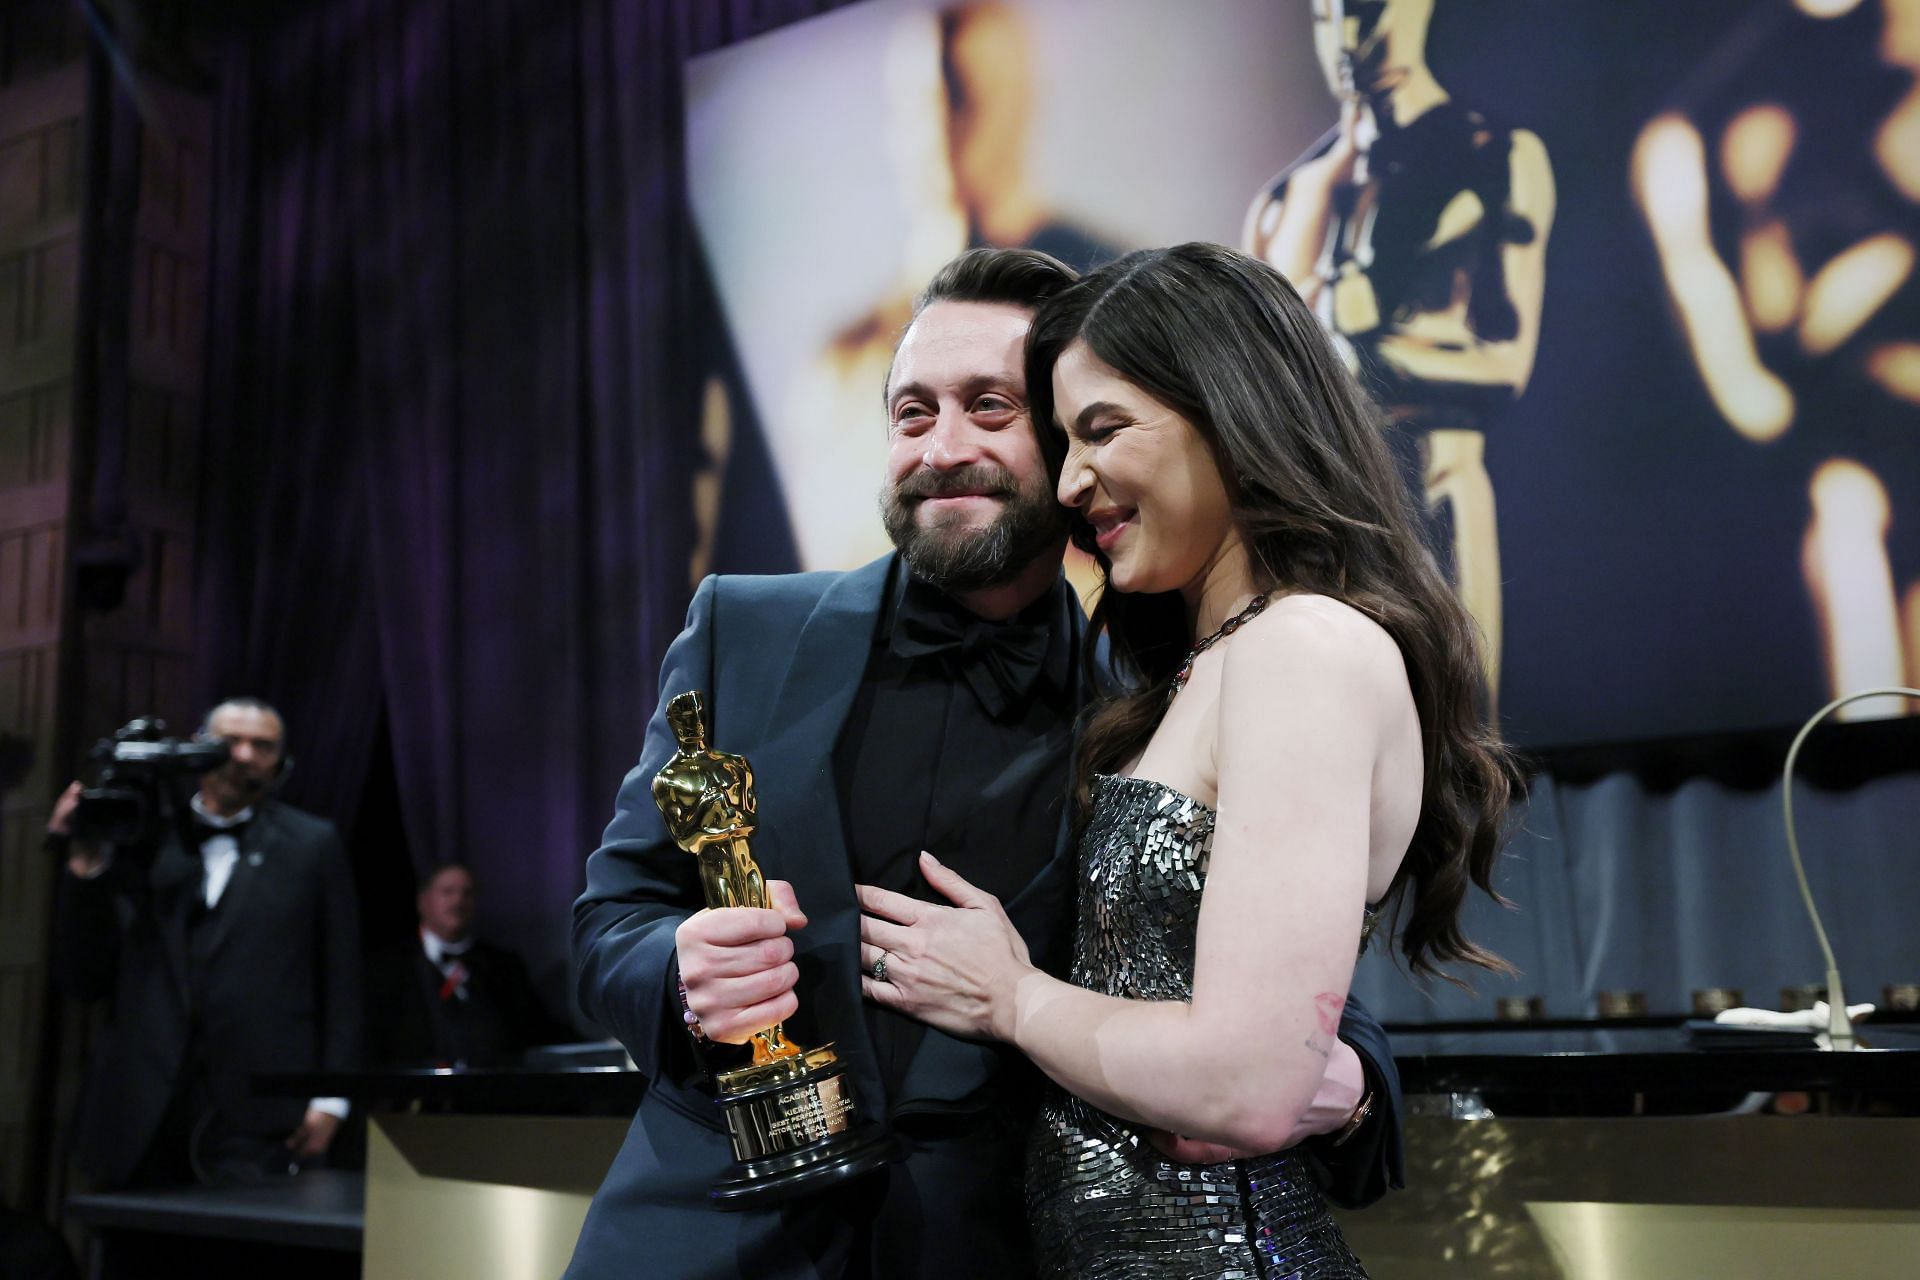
(1637, 298)
(475, 421)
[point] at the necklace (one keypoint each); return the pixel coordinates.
(1227, 628)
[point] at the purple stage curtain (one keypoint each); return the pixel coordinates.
(448, 432)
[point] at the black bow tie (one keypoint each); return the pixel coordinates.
(204, 831)
(1000, 661)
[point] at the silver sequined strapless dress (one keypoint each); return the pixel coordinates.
(1102, 1202)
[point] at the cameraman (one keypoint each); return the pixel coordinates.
(228, 942)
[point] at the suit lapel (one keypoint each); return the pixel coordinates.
(829, 658)
(801, 837)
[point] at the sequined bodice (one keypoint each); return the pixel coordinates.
(1102, 1202)
(1143, 862)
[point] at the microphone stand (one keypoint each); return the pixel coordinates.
(1839, 1025)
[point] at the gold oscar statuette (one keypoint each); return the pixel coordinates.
(790, 1111)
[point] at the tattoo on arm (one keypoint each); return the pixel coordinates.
(1326, 1010)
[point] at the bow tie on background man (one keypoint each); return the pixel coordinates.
(204, 831)
(1000, 661)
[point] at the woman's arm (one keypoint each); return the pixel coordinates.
(1339, 1096)
(1304, 694)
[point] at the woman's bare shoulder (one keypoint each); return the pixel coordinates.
(1315, 659)
(1330, 634)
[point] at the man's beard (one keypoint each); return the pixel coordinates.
(960, 557)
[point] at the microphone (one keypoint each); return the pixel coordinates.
(1839, 1025)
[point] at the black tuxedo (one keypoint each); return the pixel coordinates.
(779, 660)
(409, 1021)
(266, 981)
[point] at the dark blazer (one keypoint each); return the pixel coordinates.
(280, 991)
(403, 986)
(779, 660)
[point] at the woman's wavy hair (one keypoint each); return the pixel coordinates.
(1225, 341)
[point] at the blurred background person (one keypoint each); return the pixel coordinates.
(446, 995)
(228, 942)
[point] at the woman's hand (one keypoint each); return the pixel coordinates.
(955, 967)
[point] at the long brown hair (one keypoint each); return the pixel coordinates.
(1226, 342)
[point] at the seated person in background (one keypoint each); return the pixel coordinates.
(445, 996)
(229, 944)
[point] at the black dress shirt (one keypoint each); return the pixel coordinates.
(922, 764)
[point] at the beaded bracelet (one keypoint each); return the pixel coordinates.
(687, 1014)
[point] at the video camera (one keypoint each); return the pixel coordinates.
(139, 766)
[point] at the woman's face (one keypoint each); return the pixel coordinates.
(1141, 475)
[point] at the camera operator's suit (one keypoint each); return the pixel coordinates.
(781, 662)
(267, 980)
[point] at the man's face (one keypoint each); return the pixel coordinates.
(967, 500)
(255, 739)
(447, 904)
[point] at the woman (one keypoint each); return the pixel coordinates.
(1301, 737)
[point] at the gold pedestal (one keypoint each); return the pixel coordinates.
(480, 1197)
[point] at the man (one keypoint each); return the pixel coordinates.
(448, 996)
(925, 701)
(232, 951)
(1418, 228)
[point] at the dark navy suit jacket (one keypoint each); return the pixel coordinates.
(778, 660)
